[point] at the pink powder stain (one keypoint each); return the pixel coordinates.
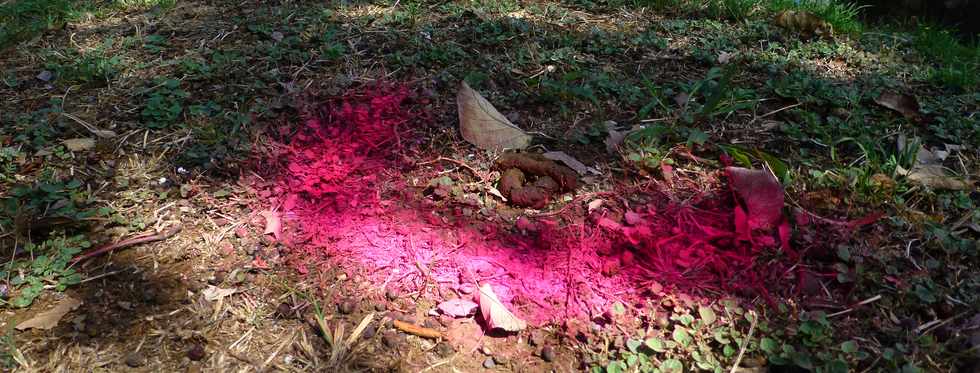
(338, 180)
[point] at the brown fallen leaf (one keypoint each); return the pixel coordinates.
(50, 318)
(614, 139)
(213, 293)
(496, 314)
(928, 171)
(482, 125)
(901, 103)
(273, 223)
(80, 144)
(570, 161)
(725, 57)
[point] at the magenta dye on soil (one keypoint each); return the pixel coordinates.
(339, 182)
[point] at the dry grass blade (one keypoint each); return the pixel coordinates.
(359, 329)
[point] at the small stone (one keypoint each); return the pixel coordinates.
(346, 307)
(342, 277)
(488, 363)
(404, 317)
(369, 331)
(150, 296)
(548, 354)
(380, 307)
(92, 330)
(486, 350)
(196, 352)
(217, 278)
(135, 360)
(444, 349)
(391, 339)
(500, 359)
(284, 310)
(45, 76)
(537, 338)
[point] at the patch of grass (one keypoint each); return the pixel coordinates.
(733, 9)
(22, 19)
(954, 64)
(843, 15)
(94, 67)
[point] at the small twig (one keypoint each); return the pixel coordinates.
(460, 163)
(861, 303)
(741, 352)
(237, 355)
(93, 278)
(777, 111)
(572, 203)
(929, 326)
(416, 330)
(440, 363)
(141, 239)
(277, 351)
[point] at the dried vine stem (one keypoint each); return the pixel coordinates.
(133, 241)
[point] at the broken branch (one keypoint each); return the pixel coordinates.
(141, 239)
(416, 330)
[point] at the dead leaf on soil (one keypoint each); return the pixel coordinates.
(928, 171)
(458, 307)
(213, 293)
(45, 76)
(614, 139)
(482, 125)
(595, 204)
(762, 195)
(273, 224)
(682, 98)
(79, 144)
(49, 319)
(725, 57)
(496, 314)
(901, 103)
(570, 161)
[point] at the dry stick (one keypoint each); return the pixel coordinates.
(416, 330)
(141, 239)
(277, 351)
(460, 163)
(738, 360)
(777, 111)
(236, 355)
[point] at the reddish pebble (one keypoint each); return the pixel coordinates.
(548, 354)
(626, 258)
(196, 352)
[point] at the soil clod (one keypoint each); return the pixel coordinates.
(135, 360)
(196, 352)
(548, 353)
